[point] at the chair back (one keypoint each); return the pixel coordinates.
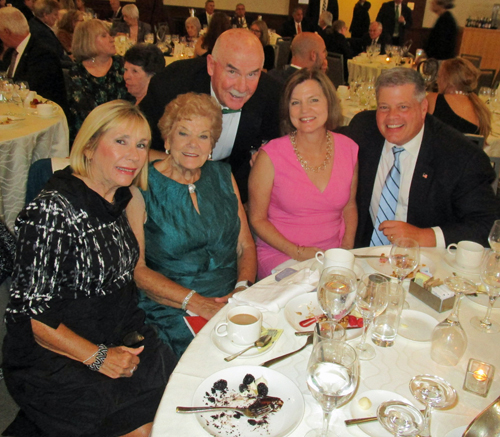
(486, 78)
(478, 140)
(473, 59)
(335, 68)
(39, 174)
(282, 53)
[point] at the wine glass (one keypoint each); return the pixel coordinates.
(404, 257)
(490, 275)
(332, 377)
(376, 49)
(494, 237)
(400, 419)
(435, 393)
(449, 341)
(337, 292)
(149, 38)
(371, 300)
(484, 93)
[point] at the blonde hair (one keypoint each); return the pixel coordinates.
(187, 106)
(131, 11)
(84, 39)
(13, 19)
(460, 75)
(107, 116)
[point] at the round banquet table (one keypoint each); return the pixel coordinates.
(360, 67)
(22, 144)
(391, 369)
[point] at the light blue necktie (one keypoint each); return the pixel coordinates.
(388, 200)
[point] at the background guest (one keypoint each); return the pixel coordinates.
(196, 248)
(455, 103)
(336, 42)
(66, 28)
(303, 186)
(25, 6)
(360, 19)
(395, 17)
(88, 12)
(259, 29)
(376, 35)
(297, 24)
(131, 26)
(325, 22)
(142, 62)
(97, 75)
(206, 16)
(239, 19)
(218, 24)
(316, 7)
(443, 37)
(193, 28)
(116, 11)
(68, 360)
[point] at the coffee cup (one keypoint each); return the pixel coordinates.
(45, 110)
(336, 258)
(468, 254)
(242, 326)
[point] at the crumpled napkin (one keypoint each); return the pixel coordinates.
(273, 297)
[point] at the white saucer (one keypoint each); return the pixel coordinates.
(416, 325)
(357, 267)
(450, 260)
(374, 429)
(457, 432)
(228, 347)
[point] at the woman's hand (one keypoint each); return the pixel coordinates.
(206, 307)
(306, 253)
(121, 362)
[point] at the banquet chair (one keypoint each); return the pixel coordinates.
(486, 78)
(39, 174)
(473, 59)
(282, 52)
(478, 140)
(335, 68)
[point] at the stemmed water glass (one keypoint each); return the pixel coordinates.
(484, 93)
(337, 292)
(449, 341)
(494, 237)
(400, 419)
(404, 257)
(490, 275)
(23, 89)
(435, 393)
(332, 377)
(371, 300)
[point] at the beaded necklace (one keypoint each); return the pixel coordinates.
(303, 162)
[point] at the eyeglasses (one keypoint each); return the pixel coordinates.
(255, 31)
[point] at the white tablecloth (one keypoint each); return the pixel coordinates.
(360, 68)
(31, 139)
(391, 369)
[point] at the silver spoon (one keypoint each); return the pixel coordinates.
(261, 342)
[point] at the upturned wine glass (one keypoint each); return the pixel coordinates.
(435, 393)
(494, 237)
(332, 377)
(371, 300)
(337, 292)
(400, 419)
(490, 275)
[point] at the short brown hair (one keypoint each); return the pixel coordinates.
(43, 7)
(187, 106)
(84, 39)
(333, 103)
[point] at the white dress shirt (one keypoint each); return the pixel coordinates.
(20, 50)
(407, 161)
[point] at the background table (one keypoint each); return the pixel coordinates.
(391, 369)
(361, 68)
(29, 140)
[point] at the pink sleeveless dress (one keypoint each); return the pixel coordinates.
(299, 211)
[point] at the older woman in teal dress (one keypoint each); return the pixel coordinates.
(196, 246)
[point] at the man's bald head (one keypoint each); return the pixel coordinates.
(308, 50)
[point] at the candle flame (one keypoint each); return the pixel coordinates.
(480, 375)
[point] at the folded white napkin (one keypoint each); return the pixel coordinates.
(273, 297)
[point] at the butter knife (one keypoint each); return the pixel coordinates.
(363, 420)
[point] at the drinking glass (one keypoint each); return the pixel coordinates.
(435, 393)
(449, 341)
(371, 300)
(327, 331)
(149, 38)
(400, 419)
(404, 257)
(376, 49)
(484, 94)
(490, 275)
(337, 292)
(494, 237)
(332, 377)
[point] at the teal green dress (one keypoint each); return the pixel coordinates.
(198, 251)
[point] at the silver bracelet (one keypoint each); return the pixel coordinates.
(187, 299)
(100, 356)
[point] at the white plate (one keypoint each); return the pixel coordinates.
(386, 268)
(482, 299)
(279, 424)
(228, 347)
(416, 326)
(14, 123)
(304, 306)
(457, 432)
(450, 260)
(376, 397)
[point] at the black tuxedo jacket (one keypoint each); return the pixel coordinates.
(288, 29)
(41, 68)
(203, 18)
(313, 10)
(259, 117)
(451, 185)
(387, 17)
(44, 34)
(383, 39)
(282, 75)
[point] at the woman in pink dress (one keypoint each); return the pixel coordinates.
(303, 185)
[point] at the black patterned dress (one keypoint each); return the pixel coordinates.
(74, 265)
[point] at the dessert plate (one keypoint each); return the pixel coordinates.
(416, 326)
(376, 397)
(278, 424)
(9, 121)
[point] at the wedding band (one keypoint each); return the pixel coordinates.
(134, 369)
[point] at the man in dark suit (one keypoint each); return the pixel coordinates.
(445, 192)
(207, 14)
(376, 35)
(308, 51)
(336, 42)
(297, 24)
(240, 18)
(395, 27)
(232, 74)
(315, 8)
(29, 59)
